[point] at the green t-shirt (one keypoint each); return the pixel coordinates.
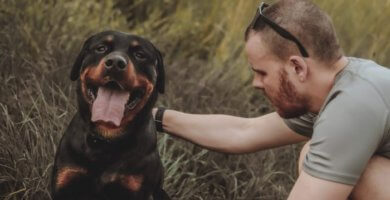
(352, 125)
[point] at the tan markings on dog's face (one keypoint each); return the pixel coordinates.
(90, 73)
(67, 174)
(131, 81)
(134, 43)
(93, 72)
(131, 75)
(132, 182)
(109, 38)
(140, 81)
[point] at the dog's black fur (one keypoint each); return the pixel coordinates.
(100, 160)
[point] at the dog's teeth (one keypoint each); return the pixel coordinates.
(132, 104)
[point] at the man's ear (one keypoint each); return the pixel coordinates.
(75, 72)
(160, 82)
(299, 67)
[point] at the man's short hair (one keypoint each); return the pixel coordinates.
(307, 22)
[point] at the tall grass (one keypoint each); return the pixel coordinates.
(202, 43)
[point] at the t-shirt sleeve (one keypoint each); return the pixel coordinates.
(302, 125)
(346, 136)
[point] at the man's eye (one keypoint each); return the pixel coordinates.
(261, 73)
(139, 55)
(101, 48)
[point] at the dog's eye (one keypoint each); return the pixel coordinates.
(139, 55)
(101, 48)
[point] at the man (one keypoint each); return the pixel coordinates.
(341, 103)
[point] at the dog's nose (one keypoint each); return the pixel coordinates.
(115, 62)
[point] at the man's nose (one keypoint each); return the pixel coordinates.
(257, 83)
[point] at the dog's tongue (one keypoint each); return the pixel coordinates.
(109, 105)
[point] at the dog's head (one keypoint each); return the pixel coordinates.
(119, 78)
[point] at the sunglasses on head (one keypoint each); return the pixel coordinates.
(281, 31)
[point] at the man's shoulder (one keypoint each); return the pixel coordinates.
(362, 71)
(363, 87)
(363, 81)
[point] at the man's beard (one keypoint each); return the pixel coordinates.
(287, 102)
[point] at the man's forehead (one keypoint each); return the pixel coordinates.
(256, 50)
(254, 38)
(259, 56)
(255, 43)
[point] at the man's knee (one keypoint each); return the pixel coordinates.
(302, 155)
(375, 180)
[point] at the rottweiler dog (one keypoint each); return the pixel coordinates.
(108, 151)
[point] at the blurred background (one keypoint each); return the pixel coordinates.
(202, 43)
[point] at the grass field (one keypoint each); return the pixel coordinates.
(206, 69)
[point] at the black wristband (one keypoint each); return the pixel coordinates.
(158, 119)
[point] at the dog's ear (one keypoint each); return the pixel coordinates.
(75, 72)
(160, 72)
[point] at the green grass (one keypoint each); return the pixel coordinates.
(202, 43)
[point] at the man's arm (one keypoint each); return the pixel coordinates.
(308, 187)
(346, 136)
(230, 134)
